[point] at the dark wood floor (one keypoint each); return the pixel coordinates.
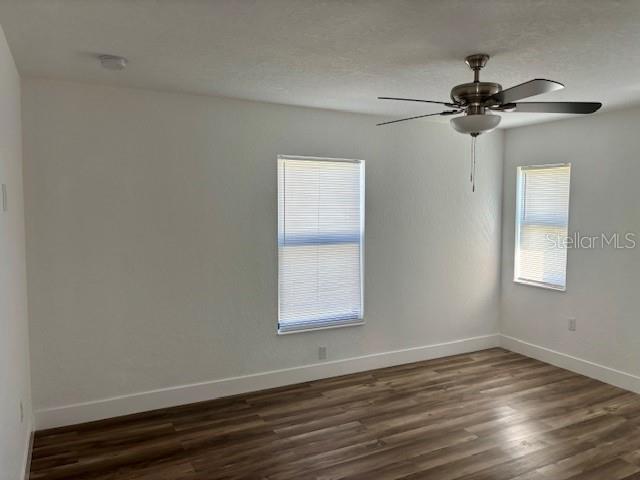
(488, 415)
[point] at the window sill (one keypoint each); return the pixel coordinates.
(316, 329)
(546, 286)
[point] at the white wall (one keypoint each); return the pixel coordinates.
(603, 285)
(14, 334)
(152, 237)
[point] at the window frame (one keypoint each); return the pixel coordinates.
(518, 216)
(355, 322)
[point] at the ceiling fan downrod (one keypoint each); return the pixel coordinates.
(476, 62)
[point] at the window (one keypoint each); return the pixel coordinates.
(320, 242)
(542, 218)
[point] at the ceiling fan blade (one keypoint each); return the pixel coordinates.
(554, 107)
(448, 112)
(527, 89)
(418, 100)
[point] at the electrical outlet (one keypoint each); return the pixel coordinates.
(21, 413)
(572, 324)
(322, 353)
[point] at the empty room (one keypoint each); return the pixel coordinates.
(319, 239)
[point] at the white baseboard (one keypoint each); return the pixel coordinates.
(608, 375)
(28, 453)
(198, 392)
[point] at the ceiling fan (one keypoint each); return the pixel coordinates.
(477, 101)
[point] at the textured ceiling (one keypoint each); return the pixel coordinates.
(335, 54)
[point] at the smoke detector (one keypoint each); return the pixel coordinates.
(113, 62)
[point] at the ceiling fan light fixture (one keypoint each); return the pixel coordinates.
(475, 124)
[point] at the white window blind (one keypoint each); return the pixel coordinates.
(320, 242)
(542, 219)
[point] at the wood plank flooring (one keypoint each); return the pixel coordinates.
(489, 415)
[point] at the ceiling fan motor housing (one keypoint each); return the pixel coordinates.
(474, 96)
(474, 93)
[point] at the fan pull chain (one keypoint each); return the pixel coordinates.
(473, 141)
(473, 163)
